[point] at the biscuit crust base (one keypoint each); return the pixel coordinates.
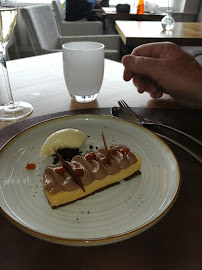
(63, 198)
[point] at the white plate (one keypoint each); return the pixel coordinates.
(106, 217)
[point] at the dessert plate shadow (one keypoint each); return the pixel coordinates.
(115, 214)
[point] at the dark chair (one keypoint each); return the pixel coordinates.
(82, 27)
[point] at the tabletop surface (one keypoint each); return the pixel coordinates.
(172, 243)
(39, 80)
(133, 32)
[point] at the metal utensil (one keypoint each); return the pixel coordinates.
(128, 114)
(145, 123)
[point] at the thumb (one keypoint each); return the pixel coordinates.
(140, 65)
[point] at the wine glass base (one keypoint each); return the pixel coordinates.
(15, 111)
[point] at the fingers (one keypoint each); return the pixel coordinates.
(147, 66)
(127, 75)
(155, 50)
(145, 84)
(148, 59)
(140, 65)
(154, 91)
(140, 82)
(164, 67)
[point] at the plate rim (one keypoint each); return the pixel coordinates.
(101, 240)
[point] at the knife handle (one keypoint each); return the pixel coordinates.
(181, 146)
(174, 129)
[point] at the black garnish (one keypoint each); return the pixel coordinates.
(67, 154)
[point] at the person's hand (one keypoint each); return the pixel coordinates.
(164, 67)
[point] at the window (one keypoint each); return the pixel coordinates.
(36, 1)
(112, 2)
(177, 4)
(160, 3)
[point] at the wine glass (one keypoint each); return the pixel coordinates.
(168, 22)
(8, 17)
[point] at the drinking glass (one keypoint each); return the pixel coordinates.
(83, 65)
(8, 16)
(168, 22)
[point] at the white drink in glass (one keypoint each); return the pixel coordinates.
(8, 18)
(83, 65)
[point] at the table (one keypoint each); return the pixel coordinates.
(173, 243)
(111, 14)
(135, 33)
(40, 81)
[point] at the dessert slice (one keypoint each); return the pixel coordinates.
(86, 175)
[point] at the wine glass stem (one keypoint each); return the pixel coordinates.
(7, 82)
(169, 8)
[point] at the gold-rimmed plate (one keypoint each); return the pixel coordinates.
(113, 215)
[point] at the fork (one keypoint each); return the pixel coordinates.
(137, 118)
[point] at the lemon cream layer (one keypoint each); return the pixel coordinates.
(96, 171)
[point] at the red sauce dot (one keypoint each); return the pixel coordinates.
(31, 166)
(124, 150)
(112, 152)
(78, 171)
(60, 170)
(106, 160)
(90, 156)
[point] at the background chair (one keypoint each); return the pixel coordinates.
(82, 27)
(45, 38)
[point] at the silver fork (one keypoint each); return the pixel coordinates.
(139, 119)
